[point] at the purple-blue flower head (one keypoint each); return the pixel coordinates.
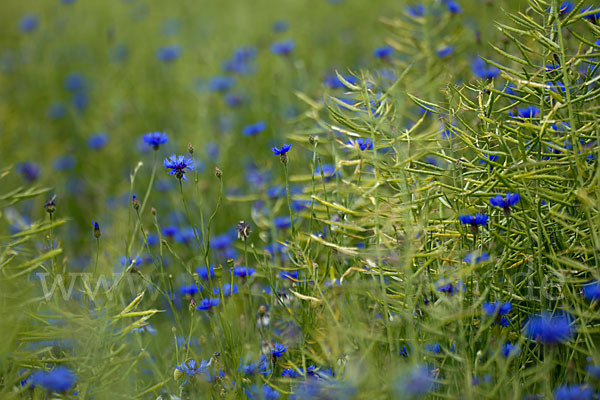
(445, 51)
(418, 10)
(278, 350)
(28, 170)
(549, 329)
(417, 383)
(489, 157)
(284, 149)
(333, 82)
(475, 220)
(97, 140)
(228, 289)
(96, 226)
(168, 53)
(591, 291)
(280, 26)
(191, 368)
(207, 303)
(510, 350)
(29, 23)
(565, 8)
(475, 258)
(203, 273)
(189, 290)
(496, 308)
(254, 129)
(282, 222)
(221, 83)
(74, 82)
(178, 165)
(594, 14)
(506, 202)
(361, 143)
(483, 70)
(155, 139)
(383, 52)
(243, 272)
(60, 379)
(574, 392)
(525, 112)
(453, 6)
(283, 48)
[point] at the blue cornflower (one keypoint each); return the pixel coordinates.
(453, 6)
(191, 368)
(489, 157)
(417, 383)
(445, 51)
(28, 23)
(328, 171)
(155, 139)
(169, 231)
(445, 286)
(574, 392)
(448, 131)
(220, 242)
(282, 222)
(565, 8)
(221, 83)
(207, 304)
(476, 258)
(362, 143)
(56, 110)
(483, 70)
(254, 129)
(591, 291)
(592, 369)
(189, 290)
(178, 165)
(243, 272)
(97, 141)
(270, 393)
(510, 350)
(65, 163)
(203, 273)
(28, 170)
(280, 26)
(333, 82)
(228, 289)
(549, 329)
(60, 379)
(278, 350)
(291, 275)
(383, 52)
(505, 203)
(433, 348)
(284, 149)
(474, 220)
(74, 82)
(145, 329)
(496, 309)
(283, 48)
(96, 229)
(525, 112)
(233, 100)
(418, 10)
(168, 53)
(594, 16)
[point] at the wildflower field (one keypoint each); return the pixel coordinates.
(325, 199)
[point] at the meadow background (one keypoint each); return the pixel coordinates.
(432, 232)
